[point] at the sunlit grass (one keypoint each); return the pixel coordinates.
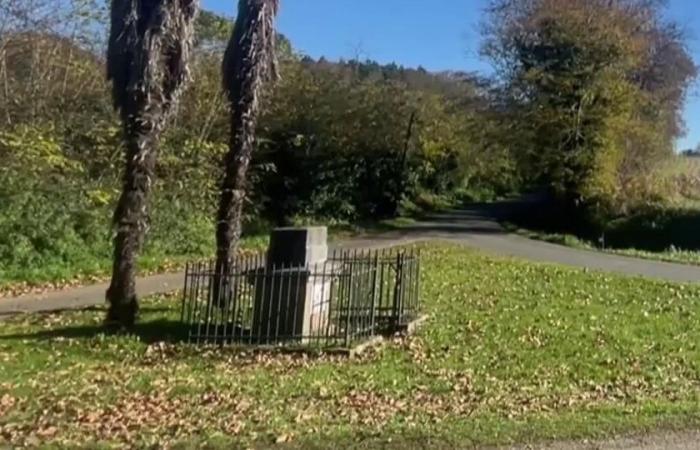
(513, 352)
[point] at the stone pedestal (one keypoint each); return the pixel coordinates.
(298, 247)
(291, 302)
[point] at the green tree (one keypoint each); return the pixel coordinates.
(588, 89)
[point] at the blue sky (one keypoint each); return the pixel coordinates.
(436, 34)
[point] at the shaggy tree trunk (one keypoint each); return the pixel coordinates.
(248, 64)
(148, 59)
(233, 190)
(130, 219)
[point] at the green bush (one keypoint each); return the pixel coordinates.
(55, 214)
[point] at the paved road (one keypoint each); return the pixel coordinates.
(479, 228)
(670, 440)
(476, 226)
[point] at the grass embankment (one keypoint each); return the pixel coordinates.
(663, 226)
(162, 254)
(18, 280)
(178, 236)
(513, 352)
(670, 254)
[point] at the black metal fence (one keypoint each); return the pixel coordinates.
(348, 298)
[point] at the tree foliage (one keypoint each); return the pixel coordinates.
(595, 89)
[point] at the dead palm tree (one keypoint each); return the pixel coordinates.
(249, 64)
(149, 51)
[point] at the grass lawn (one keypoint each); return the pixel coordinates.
(513, 352)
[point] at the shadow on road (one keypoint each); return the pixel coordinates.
(472, 218)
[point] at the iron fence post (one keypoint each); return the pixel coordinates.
(184, 293)
(373, 301)
(350, 301)
(398, 293)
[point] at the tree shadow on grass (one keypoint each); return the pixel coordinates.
(161, 330)
(51, 312)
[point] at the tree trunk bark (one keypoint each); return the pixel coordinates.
(249, 62)
(401, 170)
(148, 55)
(130, 219)
(233, 190)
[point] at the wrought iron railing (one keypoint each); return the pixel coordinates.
(350, 297)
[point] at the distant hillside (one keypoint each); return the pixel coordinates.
(455, 85)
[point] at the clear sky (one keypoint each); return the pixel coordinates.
(435, 34)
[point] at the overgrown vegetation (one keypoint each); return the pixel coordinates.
(513, 352)
(594, 91)
(335, 144)
(249, 73)
(586, 101)
(148, 65)
(665, 229)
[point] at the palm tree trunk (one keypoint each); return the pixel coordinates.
(148, 63)
(248, 64)
(130, 219)
(233, 188)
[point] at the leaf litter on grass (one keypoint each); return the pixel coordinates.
(508, 343)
